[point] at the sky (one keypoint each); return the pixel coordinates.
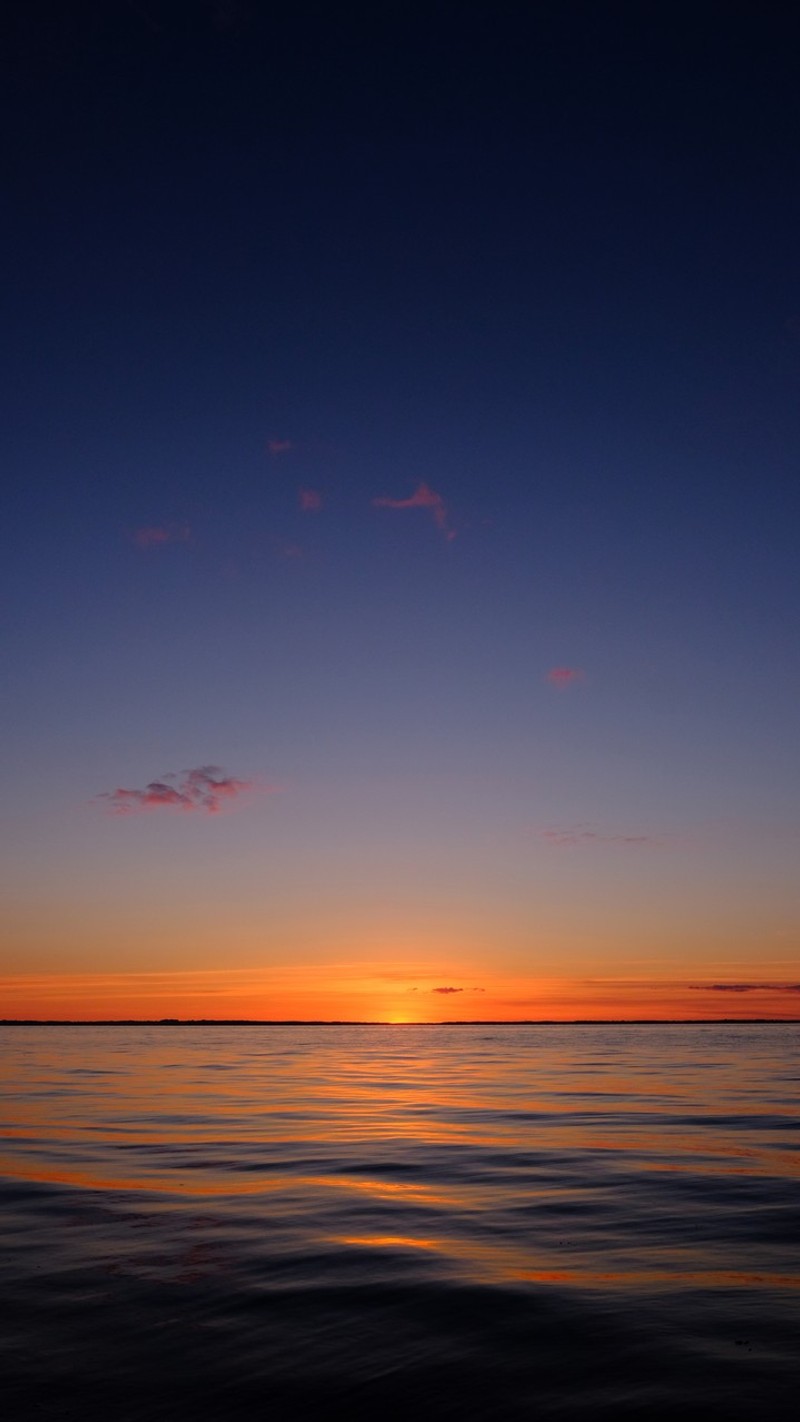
(401, 435)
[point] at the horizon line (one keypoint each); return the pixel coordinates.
(378, 1022)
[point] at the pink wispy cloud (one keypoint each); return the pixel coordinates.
(562, 677)
(572, 837)
(205, 790)
(276, 447)
(310, 500)
(423, 497)
(156, 535)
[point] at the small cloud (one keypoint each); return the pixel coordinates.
(745, 987)
(423, 498)
(571, 837)
(310, 500)
(158, 534)
(279, 446)
(562, 677)
(205, 789)
(446, 990)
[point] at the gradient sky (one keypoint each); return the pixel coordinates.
(401, 430)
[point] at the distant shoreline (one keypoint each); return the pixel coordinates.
(352, 1022)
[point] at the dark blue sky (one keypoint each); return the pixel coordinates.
(539, 260)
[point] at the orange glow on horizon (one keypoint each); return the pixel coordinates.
(360, 992)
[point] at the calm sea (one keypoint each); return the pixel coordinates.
(533, 1222)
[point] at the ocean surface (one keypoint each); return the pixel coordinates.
(506, 1222)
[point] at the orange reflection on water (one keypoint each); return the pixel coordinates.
(550, 1156)
(501, 1264)
(386, 1241)
(92, 1180)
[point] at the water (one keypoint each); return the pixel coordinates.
(536, 1222)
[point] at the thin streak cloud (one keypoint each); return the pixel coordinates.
(571, 837)
(745, 987)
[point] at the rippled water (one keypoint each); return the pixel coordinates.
(586, 1222)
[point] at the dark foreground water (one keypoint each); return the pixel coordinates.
(444, 1222)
